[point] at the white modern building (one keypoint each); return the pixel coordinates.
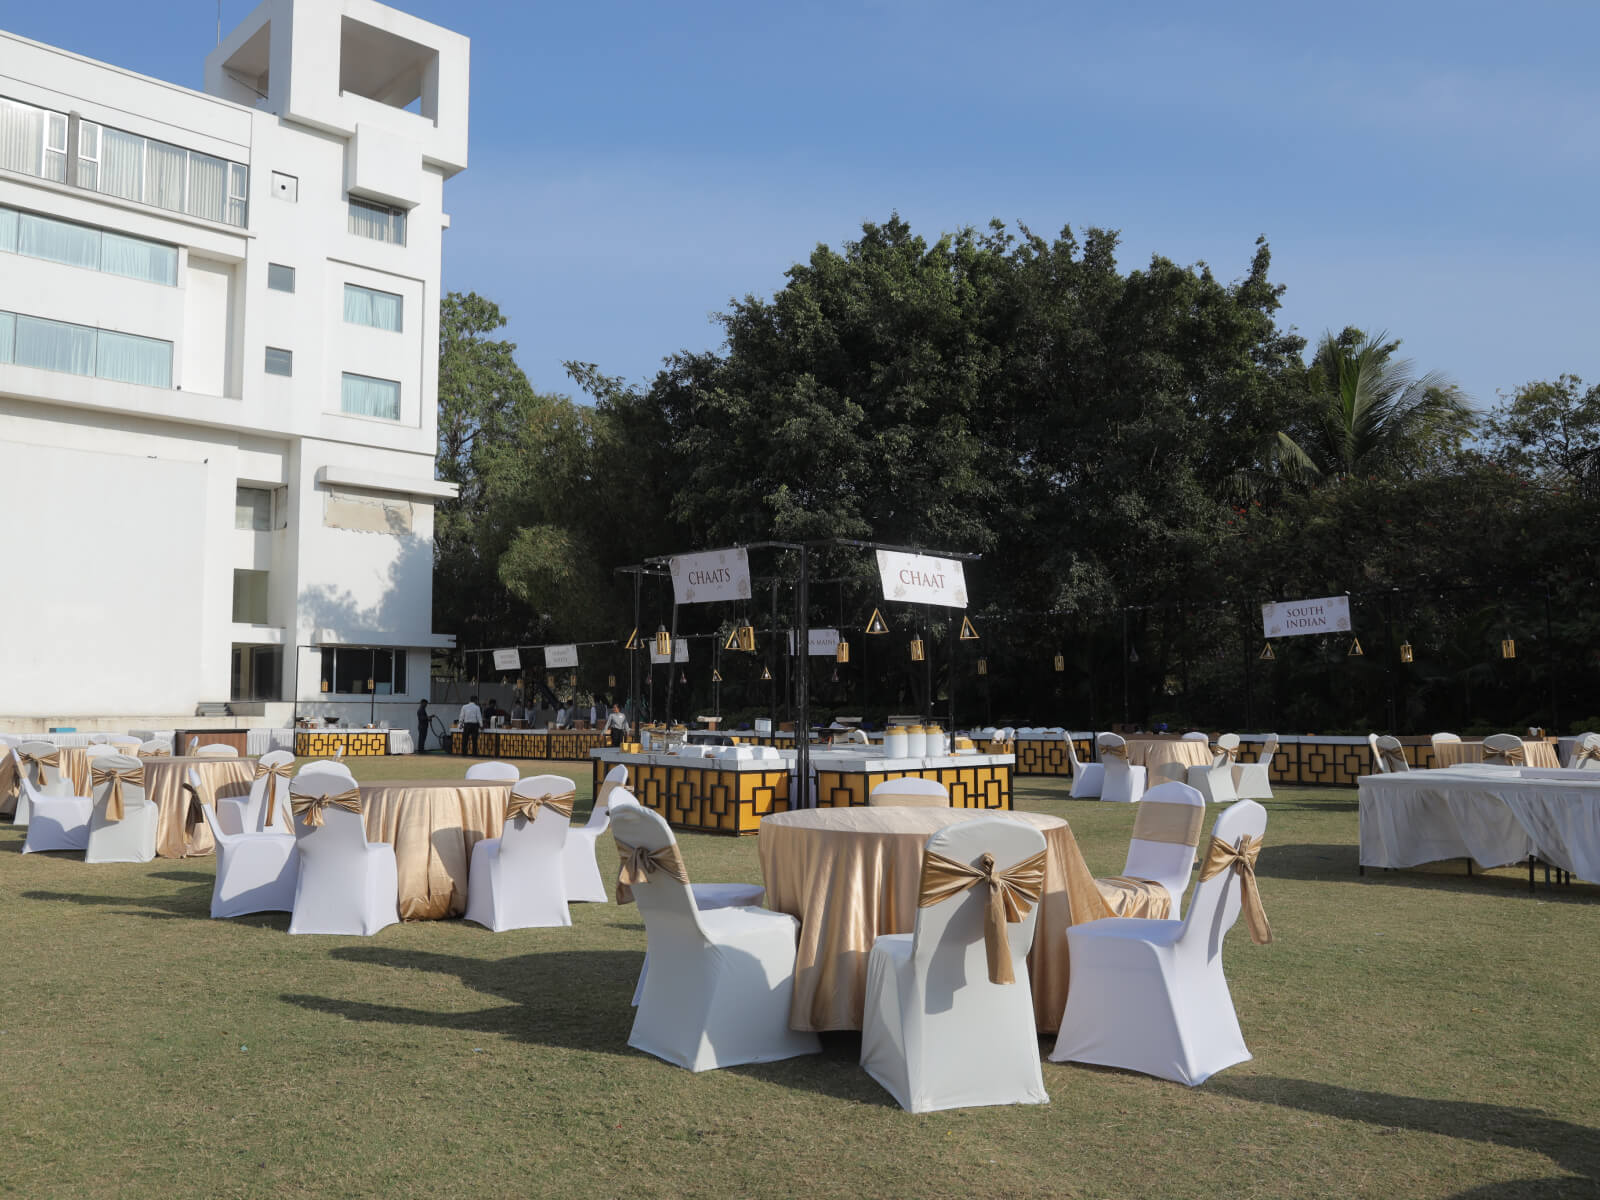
(219, 327)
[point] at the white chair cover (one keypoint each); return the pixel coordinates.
(322, 765)
(53, 822)
(518, 880)
(1502, 748)
(97, 739)
(1150, 996)
(1253, 781)
(346, 883)
(720, 995)
(1388, 754)
(256, 872)
(1214, 782)
(48, 779)
(1088, 779)
(1168, 863)
(1442, 737)
(1585, 752)
(216, 750)
(936, 1032)
(132, 839)
(502, 772)
(908, 792)
(584, 882)
(1196, 735)
(248, 813)
(1123, 784)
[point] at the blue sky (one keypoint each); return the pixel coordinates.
(1425, 168)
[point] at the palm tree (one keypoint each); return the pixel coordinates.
(1371, 414)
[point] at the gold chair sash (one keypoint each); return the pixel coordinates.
(638, 864)
(1174, 824)
(158, 752)
(1012, 895)
(53, 759)
(1512, 756)
(1394, 758)
(1115, 751)
(1585, 750)
(132, 776)
(529, 806)
(1233, 754)
(1242, 859)
(310, 807)
(272, 774)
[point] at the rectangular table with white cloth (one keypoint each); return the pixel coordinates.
(1493, 815)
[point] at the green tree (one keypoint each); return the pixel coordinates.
(1552, 430)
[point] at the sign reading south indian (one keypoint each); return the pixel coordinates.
(922, 579)
(1292, 618)
(507, 660)
(561, 656)
(714, 575)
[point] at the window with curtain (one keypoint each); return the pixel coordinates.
(364, 396)
(55, 147)
(86, 246)
(118, 163)
(89, 155)
(208, 187)
(377, 221)
(165, 175)
(121, 165)
(33, 140)
(128, 358)
(54, 346)
(136, 258)
(58, 241)
(8, 229)
(365, 306)
(8, 333)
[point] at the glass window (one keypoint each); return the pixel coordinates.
(55, 148)
(58, 241)
(135, 258)
(208, 187)
(82, 350)
(353, 671)
(365, 306)
(252, 508)
(33, 140)
(238, 194)
(249, 597)
(279, 362)
(54, 346)
(121, 165)
(363, 396)
(8, 229)
(129, 358)
(118, 163)
(377, 221)
(280, 278)
(86, 246)
(89, 155)
(8, 333)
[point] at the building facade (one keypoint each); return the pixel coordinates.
(218, 371)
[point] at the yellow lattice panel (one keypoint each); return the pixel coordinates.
(331, 743)
(985, 786)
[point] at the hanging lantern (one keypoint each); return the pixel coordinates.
(1355, 650)
(517, 686)
(324, 685)
(842, 652)
(573, 679)
(611, 681)
(550, 681)
(716, 675)
(369, 685)
(918, 651)
(1061, 662)
(836, 675)
(983, 666)
(1133, 654)
(1406, 654)
(876, 623)
(968, 633)
(1508, 648)
(663, 642)
(1267, 652)
(633, 640)
(683, 677)
(766, 673)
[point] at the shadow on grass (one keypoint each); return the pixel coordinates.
(1574, 1148)
(191, 903)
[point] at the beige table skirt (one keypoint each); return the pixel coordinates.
(1538, 754)
(9, 786)
(180, 830)
(850, 874)
(433, 824)
(1151, 753)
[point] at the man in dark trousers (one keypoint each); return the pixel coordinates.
(422, 726)
(471, 722)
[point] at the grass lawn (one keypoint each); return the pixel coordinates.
(1416, 1034)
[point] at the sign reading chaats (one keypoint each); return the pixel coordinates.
(715, 575)
(922, 579)
(1291, 618)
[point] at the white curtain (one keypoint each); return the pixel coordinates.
(367, 397)
(21, 137)
(59, 241)
(131, 359)
(54, 346)
(238, 193)
(138, 259)
(121, 164)
(163, 181)
(8, 230)
(208, 187)
(364, 306)
(377, 222)
(8, 332)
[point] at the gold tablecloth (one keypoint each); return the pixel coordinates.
(180, 830)
(850, 874)
(1538, 754)
(8, 782)
(433, 824)
(1150, 753)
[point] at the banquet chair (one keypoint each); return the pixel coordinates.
(518, 880)
(248, 813)
(256, 871)
(909, 792)
(216, 750)
(130, 837)
(155, 748)
(1150, 996)
(948, 1020)
(1123, 784)
(346, 884)
(1504, 749)
(98, 739)
(319, 765)
(1196, 735)
(123, 744)
(1585, 752)
(578, 859)
(1390, 757)
(53, 822)
(502, 772)
(1087, 778)
(1253, 780)
(1160, 853)
(41, 761)
(1215, 782)
(720, 995)
(1436, 739)
(858, 737)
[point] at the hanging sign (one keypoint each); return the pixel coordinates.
(715, 575)
(922, 579)
(823, 642)
(507, 660)
(1292, 618)
(560, 656)
(680, 652)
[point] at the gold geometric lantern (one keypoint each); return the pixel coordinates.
(663, 642)
(1267, 652)
(842, 652)
(876, 623)
(1061, 662)
(550, 681)
(918, 650)
(983, 666)
(716, 675)
(611, 681)
(968, 633)
(1508, 648)
(766, 673)
(1406, 653)
(573, 679)
(1355, 650)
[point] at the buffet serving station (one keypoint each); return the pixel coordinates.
(570, 745)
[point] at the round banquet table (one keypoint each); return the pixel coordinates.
(1537, 753)
(1151, 753)
(433, 824)
(180, 830)
(850, 874)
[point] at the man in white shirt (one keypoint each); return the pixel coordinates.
(616, 725)
(471, 722)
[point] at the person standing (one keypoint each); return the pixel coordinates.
(616, 725)
(422, 726)
(471, 723)
(594, 715)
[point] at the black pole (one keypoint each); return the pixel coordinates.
(772, 680)
(927, 669)
(672, 663)
(1550, 662)
(950, 684)
(1388, 655)
(633, 657)
(802, 731)
(1244, 646)
(1126, 719)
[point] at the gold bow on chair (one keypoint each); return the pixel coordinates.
(638, 863)
(1512, 756)
(1012, 895)
(158, 752)
(1115, 751)
(53, 759)
(529, 806)
(1233, 753)
(310, 807)
(1219, 857)
(132, 776)
(1394, 758)
(272, 774)
(1585, 750)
